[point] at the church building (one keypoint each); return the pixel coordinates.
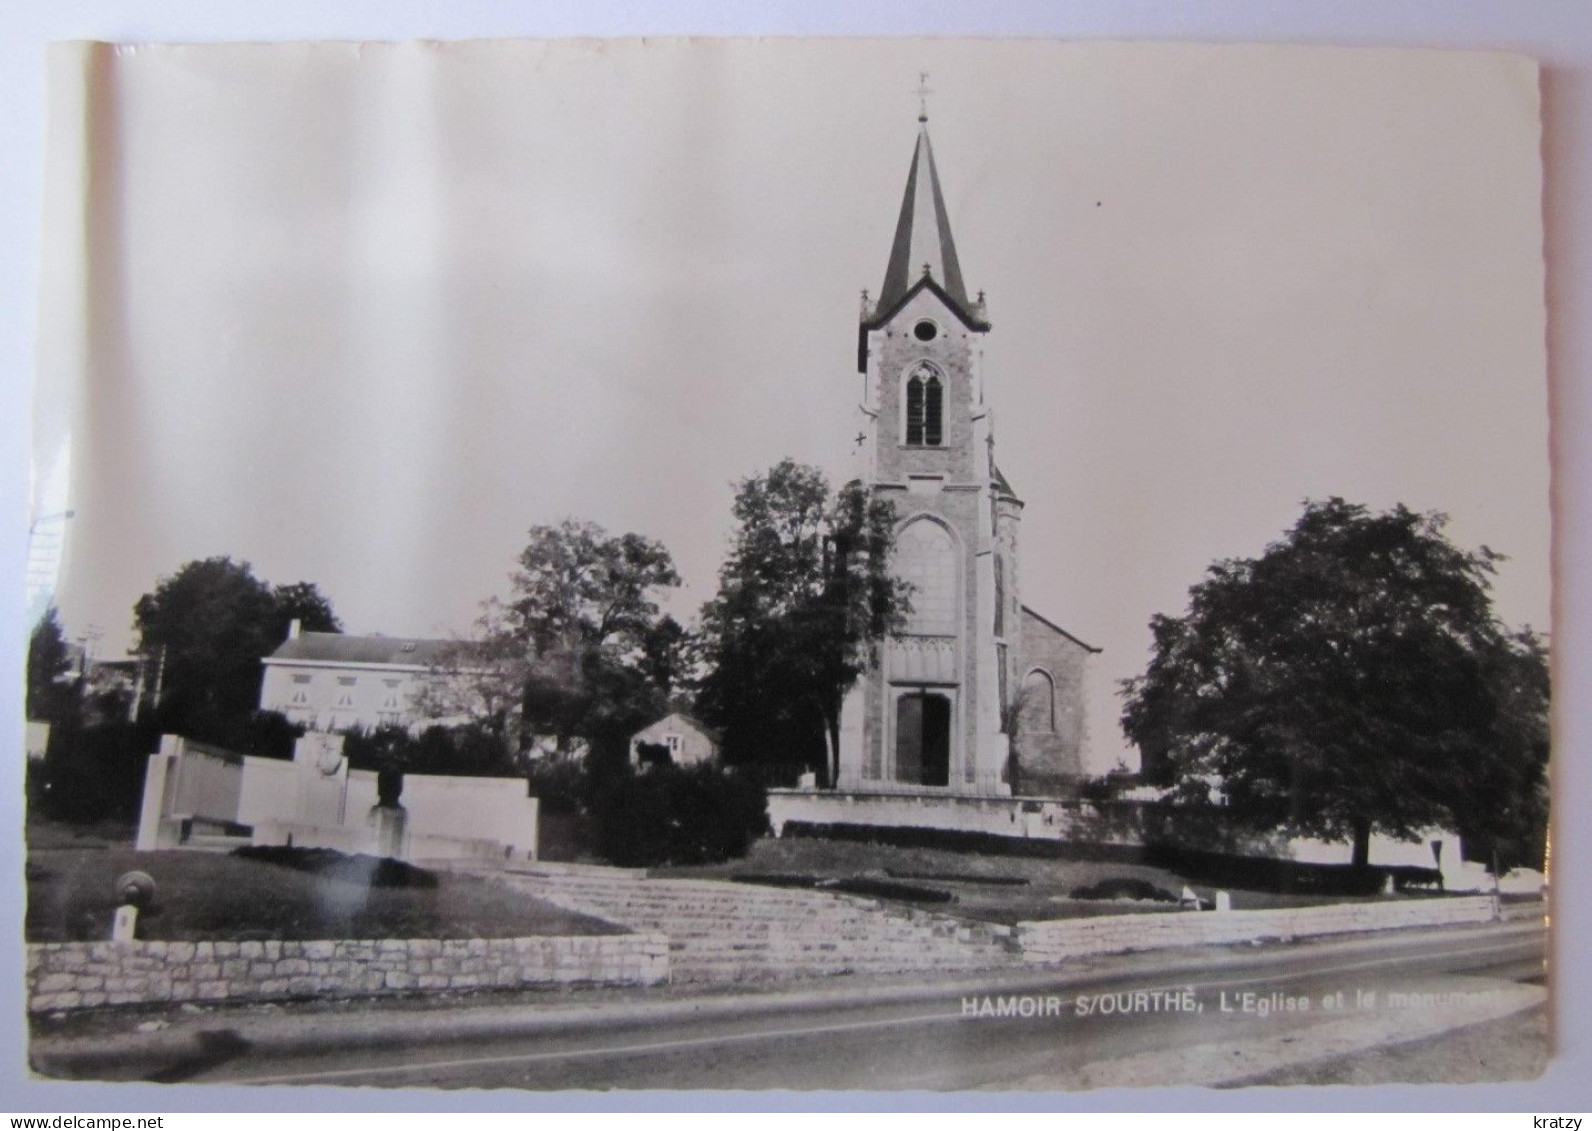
(977, 695)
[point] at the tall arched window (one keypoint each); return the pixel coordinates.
(925, 407)
(1036, 706)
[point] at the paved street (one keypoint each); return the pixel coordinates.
(1140, 1027)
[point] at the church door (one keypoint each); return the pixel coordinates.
(923, 739)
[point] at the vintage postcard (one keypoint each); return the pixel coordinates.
(793, 564)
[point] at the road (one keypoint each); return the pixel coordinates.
(1117, 1026)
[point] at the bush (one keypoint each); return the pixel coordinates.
(265, 734)
(94, 773)
(378, 749)
(559, 784)
(675, 815)
(467, 751)
(1289, 876)
(850, 885)
(1107, 787)
(358, 868)
(1123, 887)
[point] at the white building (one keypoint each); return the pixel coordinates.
(332, 681)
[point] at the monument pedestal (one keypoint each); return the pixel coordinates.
(388, 823)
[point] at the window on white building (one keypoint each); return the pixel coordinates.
(390, 712)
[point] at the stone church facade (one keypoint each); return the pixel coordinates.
(977, 695)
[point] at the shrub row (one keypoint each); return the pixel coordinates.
(1217, 869)
(356, 868)
(674, 814)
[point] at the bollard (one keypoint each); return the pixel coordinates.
(135, 890)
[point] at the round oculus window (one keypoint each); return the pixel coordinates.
(926, 331)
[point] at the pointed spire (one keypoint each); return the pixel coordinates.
(923, 244)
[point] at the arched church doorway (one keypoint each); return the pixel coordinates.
(923, 739)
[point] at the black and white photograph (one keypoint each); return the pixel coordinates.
(818, 565)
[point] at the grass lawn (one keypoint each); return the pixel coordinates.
(1043, 896)
(206, 895)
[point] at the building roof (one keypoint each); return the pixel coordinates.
(1054, 627)
(923, 237)
(685, 720)
(340, 648)
(998, 481)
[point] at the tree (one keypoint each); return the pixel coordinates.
(50, 694)
(470, 750)
(1504, 815)
(668, 657)
(206, 628)
(804, 598)
(479, 679)
(1351, 679)
(304, 603)
(579, 587)
(580, 635)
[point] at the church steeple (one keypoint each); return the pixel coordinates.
(923, 244)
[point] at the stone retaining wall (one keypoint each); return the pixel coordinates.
(83, 975)
(1059, 939)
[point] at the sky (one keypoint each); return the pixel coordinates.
(361, 315)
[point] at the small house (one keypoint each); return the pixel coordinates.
(677, 739)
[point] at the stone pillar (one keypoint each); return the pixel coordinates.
(389, 823)
(156, 827)
(852, 711)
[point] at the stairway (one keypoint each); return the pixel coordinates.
(729, 932)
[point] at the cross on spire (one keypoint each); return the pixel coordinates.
(923, 93)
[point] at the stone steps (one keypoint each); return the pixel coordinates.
(721, 931)
(215, 842)
(663, 896)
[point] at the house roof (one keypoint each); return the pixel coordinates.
(1054, 627)
(340, 648)
(701, 728)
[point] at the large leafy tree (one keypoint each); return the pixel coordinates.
(578, 651)
(303, 602)
(1352, 678)
(206, 628)
(579, 635)
(805, 596)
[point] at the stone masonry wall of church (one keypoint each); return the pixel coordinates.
(1048, 763)
(959, 509)
(1008, 520)
(897, 351)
